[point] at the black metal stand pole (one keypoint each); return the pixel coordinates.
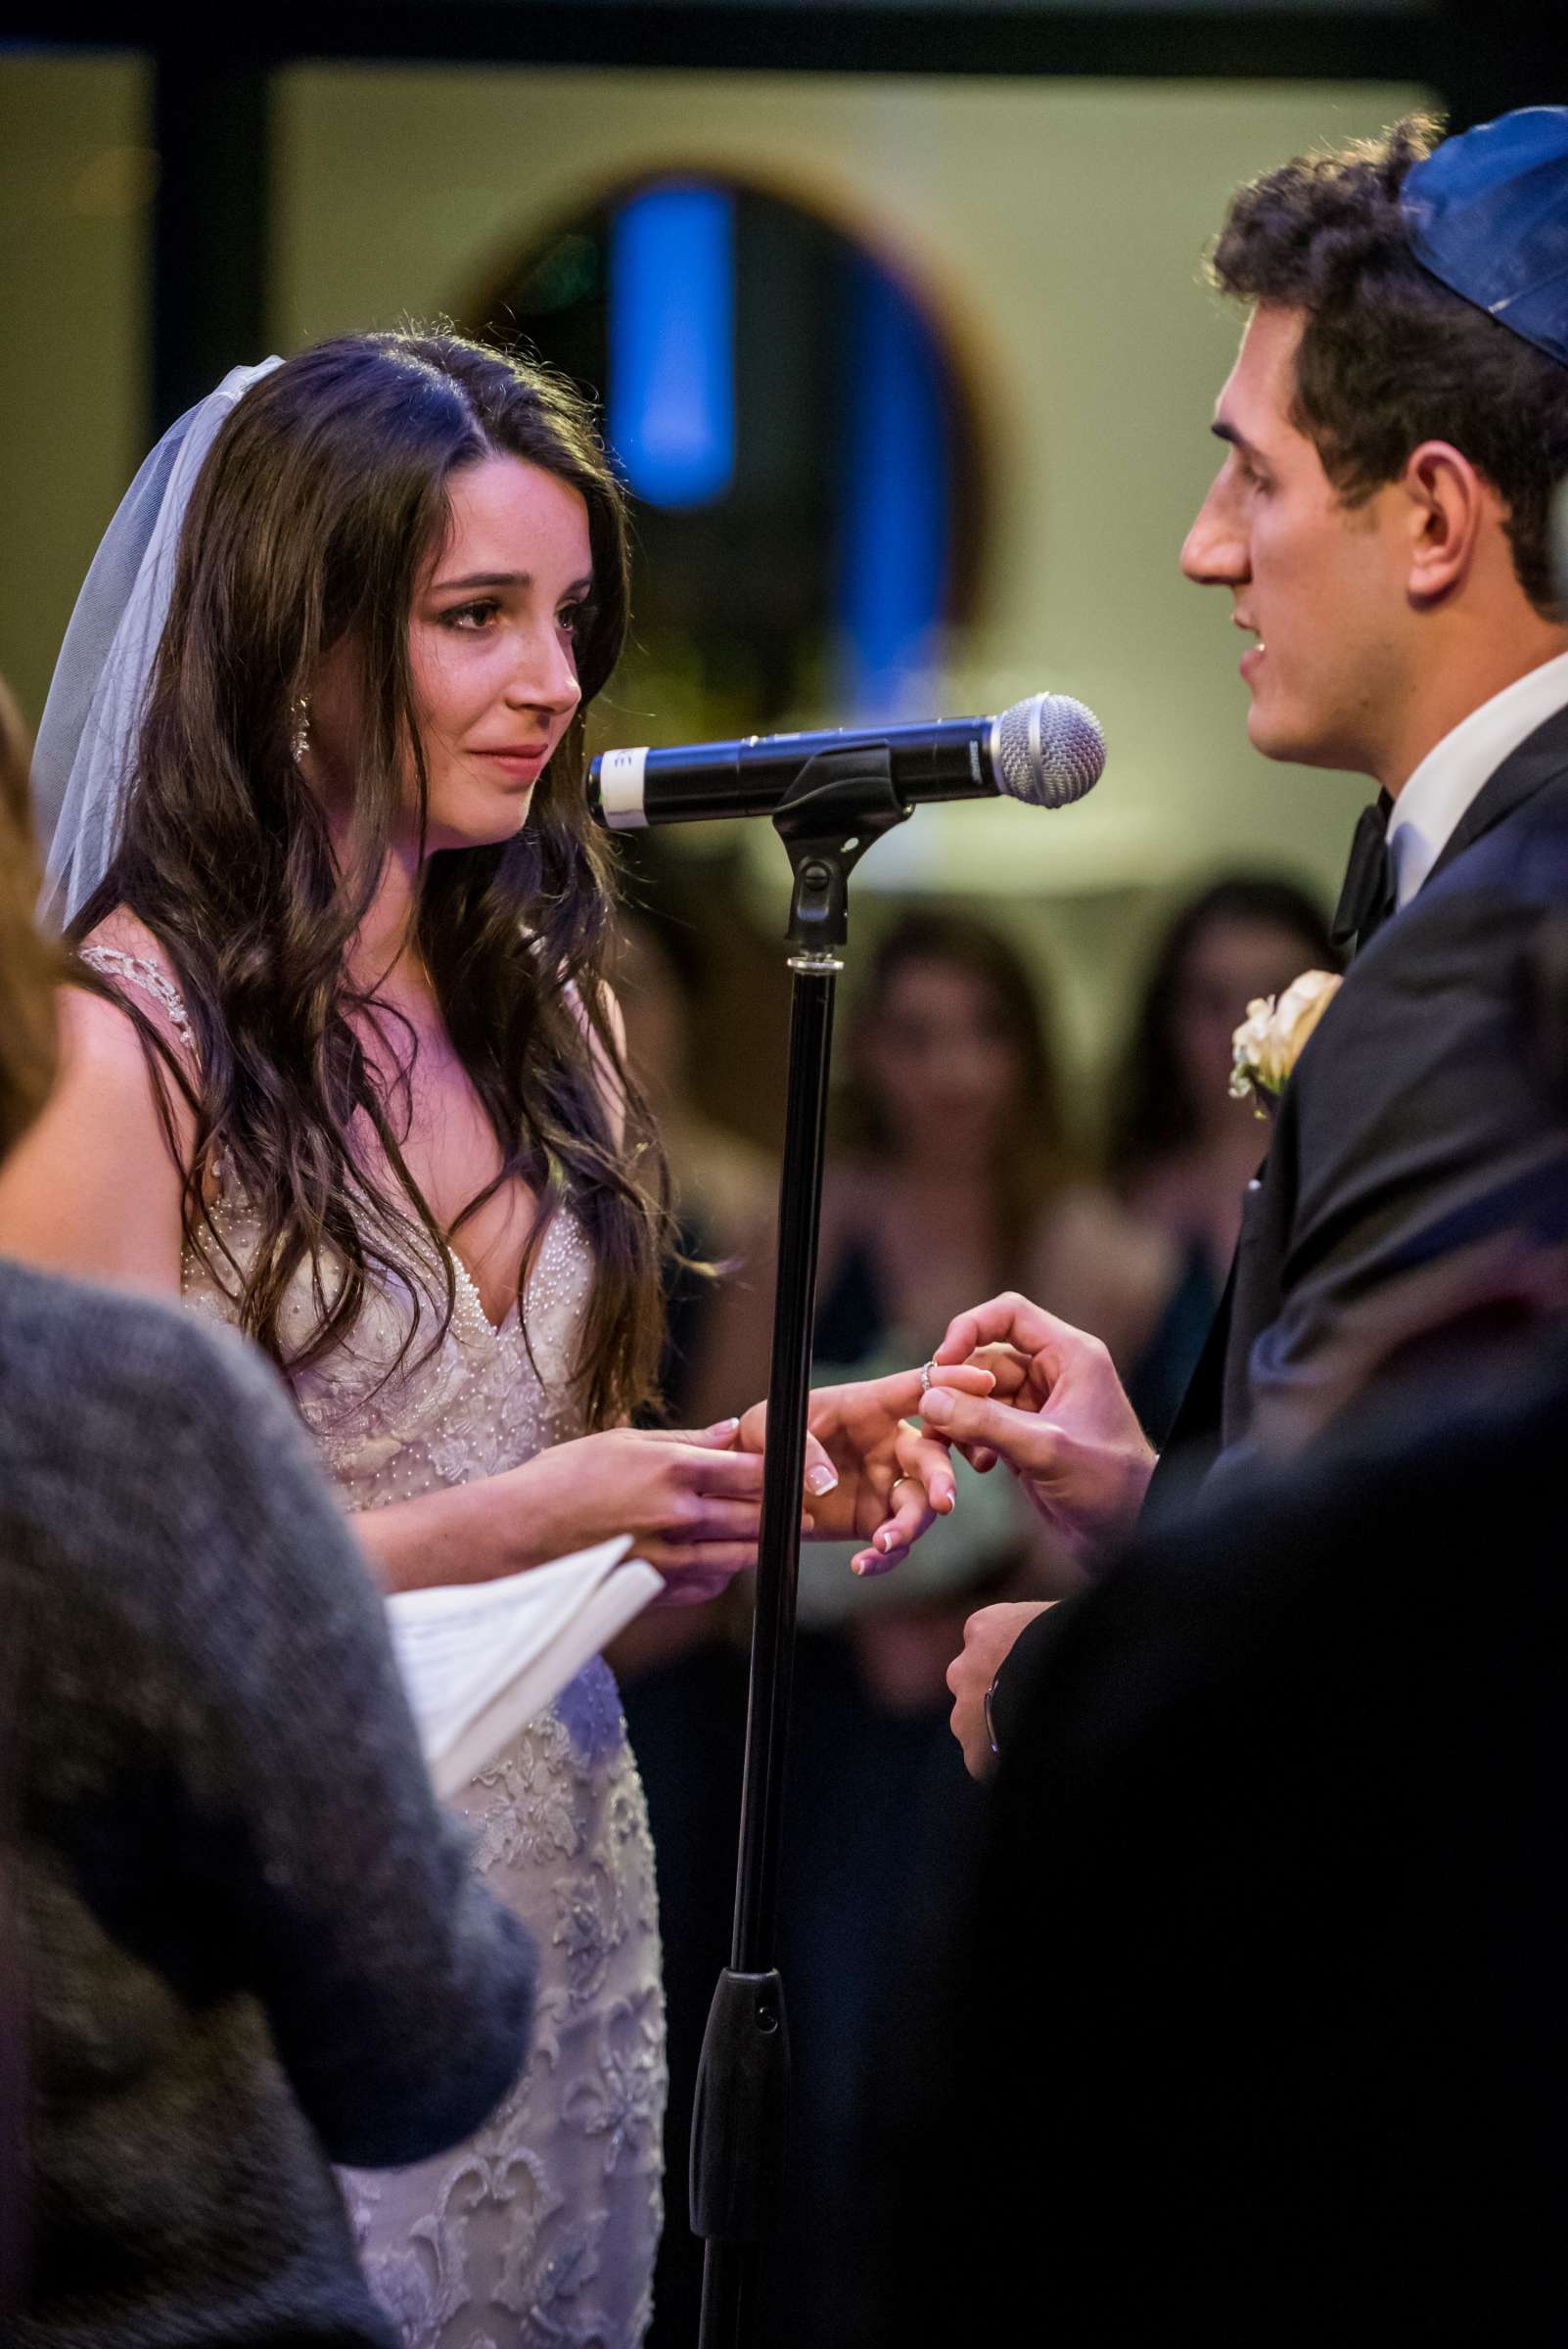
(840, 803)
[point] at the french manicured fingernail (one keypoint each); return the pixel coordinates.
(726, 1427)
(886, 1538)
(820, 1479)
(947, 1502)
(937, 1406)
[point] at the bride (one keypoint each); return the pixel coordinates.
(342, 1068)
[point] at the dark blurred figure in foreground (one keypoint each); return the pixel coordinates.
(1258, 2032)
(1255, 2032)
(26, 1064)
(240, 1942)
(1180, 1150)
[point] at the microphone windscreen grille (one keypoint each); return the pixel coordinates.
(1050, 750)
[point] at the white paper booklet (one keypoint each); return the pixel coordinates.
(481, 1659)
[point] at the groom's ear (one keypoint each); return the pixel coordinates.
(1449, 506)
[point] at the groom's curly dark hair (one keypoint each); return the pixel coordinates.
(1390, 356)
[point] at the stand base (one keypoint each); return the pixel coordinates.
(738, 2119)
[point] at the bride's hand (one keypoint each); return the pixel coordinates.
(893, 1480)
(689, 1497)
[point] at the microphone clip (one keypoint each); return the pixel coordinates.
(840, 804)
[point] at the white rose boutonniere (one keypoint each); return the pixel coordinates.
(1268, 1042)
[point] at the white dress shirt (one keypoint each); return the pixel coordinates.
(1427, 812)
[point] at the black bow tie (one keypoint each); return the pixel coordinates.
(1367, 898)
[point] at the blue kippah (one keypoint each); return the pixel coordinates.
(1488, 214)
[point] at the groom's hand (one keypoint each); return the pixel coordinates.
(1070, 1435)
(989, 1637)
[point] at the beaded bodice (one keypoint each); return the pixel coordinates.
(477, 1401)
(482, 1400)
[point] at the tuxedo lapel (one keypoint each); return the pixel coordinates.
(1539, 760)
(1195, 1429)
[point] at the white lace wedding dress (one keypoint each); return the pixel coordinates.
(540, 2232)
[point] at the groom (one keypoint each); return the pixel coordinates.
(1393, 428)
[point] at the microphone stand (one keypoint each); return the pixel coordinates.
(840, 803)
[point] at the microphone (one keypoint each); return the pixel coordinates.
(1045, 751)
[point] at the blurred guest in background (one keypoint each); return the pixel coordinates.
(725, 1190)
(955, 1157)
(239, 1940)
(683, 1670)
(953, 1093)
(1180, 1150)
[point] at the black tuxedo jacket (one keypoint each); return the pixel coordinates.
(1418, 1120)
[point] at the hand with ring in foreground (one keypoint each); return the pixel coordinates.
(1070, 1435)
(893, 1478)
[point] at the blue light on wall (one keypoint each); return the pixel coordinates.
(671, 390)
(892, 548)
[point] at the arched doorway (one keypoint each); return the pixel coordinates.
(798, 434)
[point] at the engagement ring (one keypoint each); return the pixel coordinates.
(928, 1371)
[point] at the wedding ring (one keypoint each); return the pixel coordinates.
(904, 1480)
(928, 1371)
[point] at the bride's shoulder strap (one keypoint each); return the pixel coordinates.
(125, 965)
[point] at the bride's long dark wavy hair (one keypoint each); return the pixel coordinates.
(322, 499)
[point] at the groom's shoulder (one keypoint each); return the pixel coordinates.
(1433, 1032)
(1477, 917)
(1523, 855)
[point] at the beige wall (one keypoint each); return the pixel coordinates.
(76, 186)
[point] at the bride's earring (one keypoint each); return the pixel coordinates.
(300, 739)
